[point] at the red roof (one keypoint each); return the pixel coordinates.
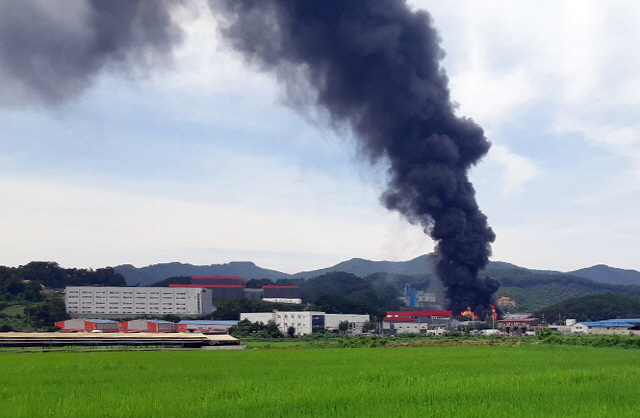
(411, 314)
(404, 319)
(217, 278)
(239, 286)
(272, 286)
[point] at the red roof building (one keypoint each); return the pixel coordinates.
(87, 325)
(415, 316)
(147, 325)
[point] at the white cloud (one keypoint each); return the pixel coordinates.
(517, 169)
(90, 226)
(200, 163)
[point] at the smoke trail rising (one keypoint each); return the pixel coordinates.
(52, 49)
(374, 66)
(370, 65)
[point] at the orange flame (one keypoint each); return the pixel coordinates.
(469, 314)
(495, 314)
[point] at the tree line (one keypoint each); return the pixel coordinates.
(30, 297)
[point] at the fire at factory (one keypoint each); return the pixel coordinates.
(367, 67)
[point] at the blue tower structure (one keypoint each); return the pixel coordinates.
(411, 293)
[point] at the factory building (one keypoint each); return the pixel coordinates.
(619, 326)
(306, 322)
(85, 301)
(218, 280)
(205, 326)
(282, 294)
(413, 298)
(355, 322)
(233, 287)
(221, 287)
(147, 325)
(218, 291)
(519, 326)
(88, 325)
(417, 322)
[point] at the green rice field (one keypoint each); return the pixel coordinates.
(445, 381)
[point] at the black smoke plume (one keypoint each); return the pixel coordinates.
(370, 65)
(374, 66)
(51, 50)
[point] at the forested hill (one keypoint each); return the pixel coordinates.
(28, 297)
(424, 264)
(527, 290)
(592, 308)
(51, 275)
(145, 276)
(421, 265)
(612, 275)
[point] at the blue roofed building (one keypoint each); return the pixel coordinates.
(620, 326)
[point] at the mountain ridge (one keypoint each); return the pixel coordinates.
(421, 265)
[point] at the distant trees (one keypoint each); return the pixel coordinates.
(343, 326)
(246, 328)
(593, 308)
(51, 275)
(27, 297)
(339, 292)
(368, 326)
(231, 309)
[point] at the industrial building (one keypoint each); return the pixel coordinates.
(48, 340)
(221, 287)
(147, 325)
(355, 322)
(518, 326)
(92, 301)
(205, 326)
(417, 322)
(88, 325)
(413, 298)
(282, 294)
(619, 326)
(305, 322)
(233, 287)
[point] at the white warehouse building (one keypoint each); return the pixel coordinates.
(306, 322)
(82, 301)
(332, 322)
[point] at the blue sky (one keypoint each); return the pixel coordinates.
(201, 162)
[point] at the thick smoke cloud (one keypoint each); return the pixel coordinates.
(374, 66)
(370, 65)
(51, 50)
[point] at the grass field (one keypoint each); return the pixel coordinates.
(453, 381)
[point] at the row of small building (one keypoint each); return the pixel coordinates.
(303, 322)
(144, 325)
(306, 322)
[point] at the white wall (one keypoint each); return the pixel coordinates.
(332, 322)
(301, 321)
(138, 300)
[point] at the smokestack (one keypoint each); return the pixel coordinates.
(374, 67)
(51, 50)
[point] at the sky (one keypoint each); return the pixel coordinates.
(200, 160)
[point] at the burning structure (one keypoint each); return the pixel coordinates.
(374, 68)
(370, 66)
